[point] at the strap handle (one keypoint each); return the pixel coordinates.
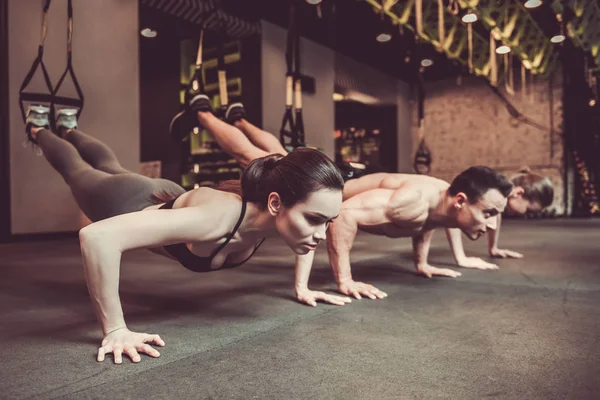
(196, 83)
(221, 72)
(78, 102)
(38, 62)
(292, 125)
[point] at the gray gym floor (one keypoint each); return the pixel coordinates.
(529, 330)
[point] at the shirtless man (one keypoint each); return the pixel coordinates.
(531, 193)
(418, 205)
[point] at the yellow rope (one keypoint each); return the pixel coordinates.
(419, 16)
(470, 37)
(493, 62)
(441, 26)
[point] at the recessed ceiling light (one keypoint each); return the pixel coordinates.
(426, 62)
(557, 38)
(469, 18)
(149, 33)
(503, 50)
(314, 2)
(384, 37)
(533, 3)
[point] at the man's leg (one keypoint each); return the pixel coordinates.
(236, 115)
(260, 138)
(230, 139)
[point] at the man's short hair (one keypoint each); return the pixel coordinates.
(476, 181)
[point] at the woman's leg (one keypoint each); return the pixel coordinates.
(230, 139)
(61, 155)
(94, 152)
(67, 161)
(100, 194)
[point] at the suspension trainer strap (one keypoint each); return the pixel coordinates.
(196, 83)
(298, 132)
(38, 62)
(66, 101)
(287, 124)
(422, 160)
(221, 72)
(186, 121)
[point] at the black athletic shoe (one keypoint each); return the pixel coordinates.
(234, 113)
(200, 103)
(183, 124)
(351, 170)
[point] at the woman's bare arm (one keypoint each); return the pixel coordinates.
(103, 242)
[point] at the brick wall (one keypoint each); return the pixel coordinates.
(466, 124)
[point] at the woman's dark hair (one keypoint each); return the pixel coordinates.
(536, 187)
(293, 177)
(476, 181)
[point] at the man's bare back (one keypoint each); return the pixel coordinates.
(400, 212)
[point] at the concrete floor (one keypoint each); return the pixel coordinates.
(529, 330)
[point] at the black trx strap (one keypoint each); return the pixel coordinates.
(422, 160)
(196, 83)
(51, 97)
(292, 129)
(299, 122)
(221, 72)
(38, 62)
(186, 120)
(66, 101)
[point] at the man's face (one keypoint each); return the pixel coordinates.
(474, 219)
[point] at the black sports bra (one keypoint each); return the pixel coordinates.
(202, 264)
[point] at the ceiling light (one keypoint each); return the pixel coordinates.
(426, 62)
(149, 33)
(314, 2)
(384, 37)
(338, 97)
(469, 18)
(557, 38)
(592, 102)
(533, 3)
(503, 50)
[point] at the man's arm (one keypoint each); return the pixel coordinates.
(456, 244)
(454, 236)
(340, 238)
(421, 244)
(493, 236)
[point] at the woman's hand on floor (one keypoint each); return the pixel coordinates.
(311, 297)
(359, 289)
(123, 341)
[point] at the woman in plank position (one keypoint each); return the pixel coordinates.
(293, 196)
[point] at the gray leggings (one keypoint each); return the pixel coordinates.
(100, 185)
